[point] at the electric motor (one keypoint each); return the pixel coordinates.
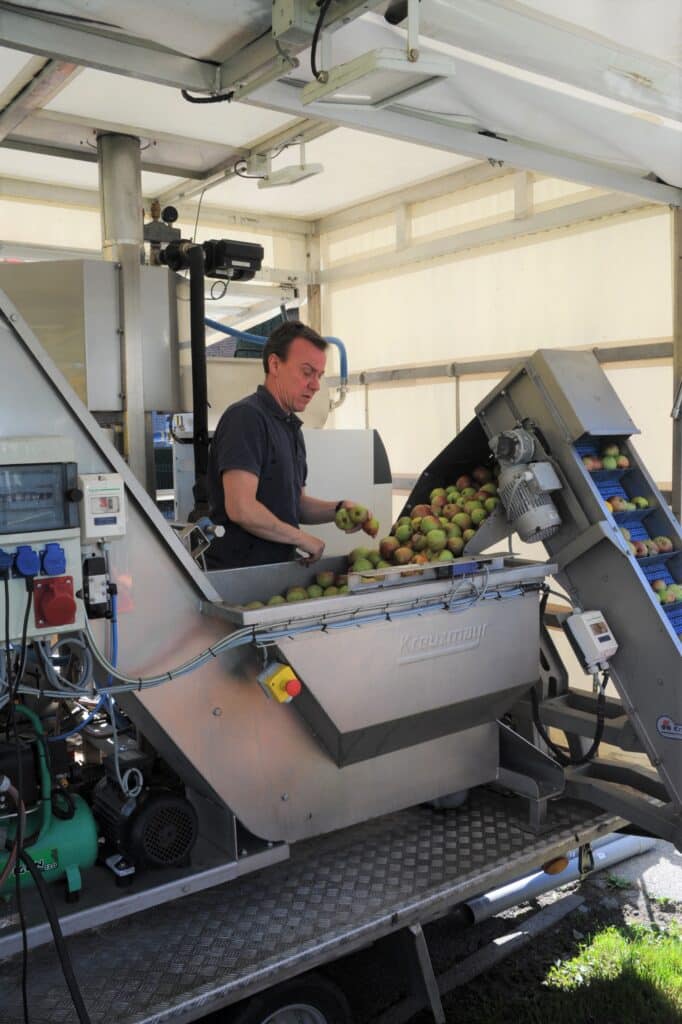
(532, 512)
(524, 484)
(157, 829)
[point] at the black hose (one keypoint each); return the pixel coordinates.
(225, 97)
(561, 757)
(396, 12)
(197, 313)
(324, 7)
(60, 944)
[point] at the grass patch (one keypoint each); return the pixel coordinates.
(625, 975)
(630, 956)
(618, 882)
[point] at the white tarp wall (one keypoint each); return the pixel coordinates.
(608, 280)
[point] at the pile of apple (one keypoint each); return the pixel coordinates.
(668, 593)
(610, 458)
(647, 548)
(436, 532)
(325, 584)
(617, 504)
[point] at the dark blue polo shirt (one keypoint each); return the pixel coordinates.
(258, 436)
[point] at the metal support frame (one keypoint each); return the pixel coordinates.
(439, 133)
(31, 96)
(121, 198)
(247, 67)
(35, 33)
(583, 212)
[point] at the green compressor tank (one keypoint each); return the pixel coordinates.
(62, 846)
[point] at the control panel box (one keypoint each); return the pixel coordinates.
(103, 511)
(594, 642)
(53, 562)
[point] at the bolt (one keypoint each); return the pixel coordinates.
(217, 712)
(284, 797)
(13, 317)
(413, 55)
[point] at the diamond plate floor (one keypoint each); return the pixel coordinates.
(180, 960)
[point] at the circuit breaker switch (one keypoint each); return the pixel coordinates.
(280, 682)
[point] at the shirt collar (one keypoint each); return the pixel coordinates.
(273, 406)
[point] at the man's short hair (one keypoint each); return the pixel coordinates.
(281, 338)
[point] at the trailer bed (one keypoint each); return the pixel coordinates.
(337, 893)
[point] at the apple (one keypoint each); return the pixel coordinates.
(664, 544)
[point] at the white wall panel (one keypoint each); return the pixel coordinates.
(578, 288)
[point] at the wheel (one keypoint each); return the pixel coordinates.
(310, 999)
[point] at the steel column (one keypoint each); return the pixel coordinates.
(120, 184)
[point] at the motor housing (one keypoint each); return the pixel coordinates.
(158, 829)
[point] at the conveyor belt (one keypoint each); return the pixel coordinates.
(337, 893)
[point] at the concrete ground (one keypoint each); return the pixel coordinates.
(657, 873)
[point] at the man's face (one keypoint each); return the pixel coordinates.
(295, 380)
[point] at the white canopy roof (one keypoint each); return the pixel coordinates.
(590, 92)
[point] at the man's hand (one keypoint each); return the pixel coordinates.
(312, 546)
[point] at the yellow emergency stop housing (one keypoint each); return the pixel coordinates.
(280, 682)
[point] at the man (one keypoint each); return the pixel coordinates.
(257, 463)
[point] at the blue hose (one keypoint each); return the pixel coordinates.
(257, 339)
(103, 697)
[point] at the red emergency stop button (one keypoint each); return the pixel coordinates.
(54, 603)
(293, 687)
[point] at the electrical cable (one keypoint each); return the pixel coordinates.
(21, 821)
(225, 97)
(60, 944)
(24, 635)
(565, 759)
(324, 7)
(196, 219)
(217, 298)
(240, 174)
(7, 787)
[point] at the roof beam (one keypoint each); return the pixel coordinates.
(88, 155)
(32, 96)
(35, 33)
(439, 133)
(19, 190)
